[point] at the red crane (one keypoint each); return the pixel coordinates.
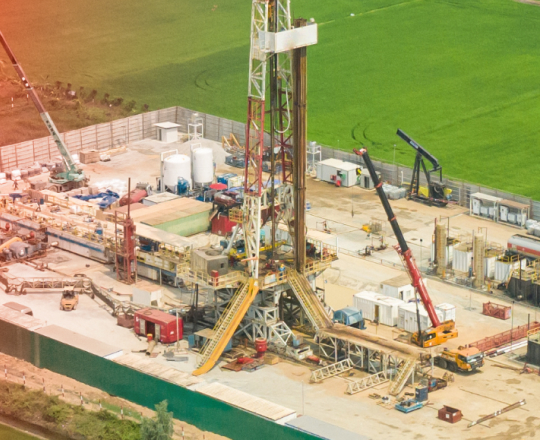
(440, 332)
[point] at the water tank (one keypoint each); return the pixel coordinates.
(175, 166)
(203, 166)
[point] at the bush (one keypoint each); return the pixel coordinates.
(160, 427)
(130, 106)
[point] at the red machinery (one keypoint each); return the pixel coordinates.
(439, 333)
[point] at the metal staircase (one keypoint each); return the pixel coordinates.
(308, 299)
(403, 374)
(228, 322)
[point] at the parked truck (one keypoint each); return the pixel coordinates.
(464, 359)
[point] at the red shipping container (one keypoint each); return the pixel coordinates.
(161, 325)
(221, 225)
(497, 311)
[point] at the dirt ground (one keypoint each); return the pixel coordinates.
(37, 378)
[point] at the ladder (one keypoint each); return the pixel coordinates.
(331, 370)
(403, 374)
(225, 327)
(308, 299)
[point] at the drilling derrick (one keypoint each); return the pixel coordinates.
(253, 185)
(283, 291)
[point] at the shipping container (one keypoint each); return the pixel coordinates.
(335, 170)
(448, 311)
(398, 287)
(221, 225)
(377, 307)
(407, 317)
(160, 325)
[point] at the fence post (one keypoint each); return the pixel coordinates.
(112, 138)
(142, 125)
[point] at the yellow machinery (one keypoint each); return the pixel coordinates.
(435, 335)
(463, 359)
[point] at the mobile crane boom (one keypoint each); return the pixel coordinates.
(72, 173)
(439, 332)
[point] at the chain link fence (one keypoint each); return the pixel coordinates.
(138, 127)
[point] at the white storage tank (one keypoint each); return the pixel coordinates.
(175, 166)
(503, 268)
(462, 256)
(407, 317)
(203, 166)
(377, 307)
(448, 311)
(489, 267)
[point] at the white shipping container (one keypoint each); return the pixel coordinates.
(461, 261)
(331, 170)
(407, 317)
(398, 287)
(377, 307)
(448, 311)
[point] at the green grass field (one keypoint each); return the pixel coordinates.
(462, 77)
(8, 433)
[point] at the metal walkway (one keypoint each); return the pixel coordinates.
(224, 329)
(310, 303)
(367, 382)
(331, 370)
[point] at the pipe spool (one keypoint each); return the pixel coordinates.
(151, 346)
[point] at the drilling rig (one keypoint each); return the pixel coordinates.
(277, 66)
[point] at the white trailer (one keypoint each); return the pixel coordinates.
(335, 170)
(376, 307)
(408, 320)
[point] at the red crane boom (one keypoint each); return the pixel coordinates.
(439, 332)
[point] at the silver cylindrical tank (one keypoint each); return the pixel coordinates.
(175, 166)
(203, 166)
(524, 245)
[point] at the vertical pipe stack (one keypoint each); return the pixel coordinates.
(440, 248)
(479, 250)
(299, 68)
